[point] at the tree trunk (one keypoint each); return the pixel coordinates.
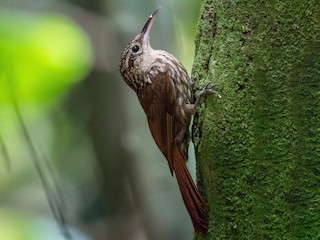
(258, 147)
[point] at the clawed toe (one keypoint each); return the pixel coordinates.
(208, 89)
(202, 95)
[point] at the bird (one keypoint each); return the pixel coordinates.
(164, 90)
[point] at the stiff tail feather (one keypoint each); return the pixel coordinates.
(196, 206)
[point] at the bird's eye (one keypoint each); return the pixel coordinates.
(135, 48)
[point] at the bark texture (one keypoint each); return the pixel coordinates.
(258, 147)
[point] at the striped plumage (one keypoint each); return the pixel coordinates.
(164, 90)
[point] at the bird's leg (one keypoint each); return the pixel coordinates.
(202, 95)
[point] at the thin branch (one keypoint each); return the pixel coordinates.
(5, 153)
(53, 193)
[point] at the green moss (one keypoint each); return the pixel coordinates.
(258, 148)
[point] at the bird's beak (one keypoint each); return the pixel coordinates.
(147, 27)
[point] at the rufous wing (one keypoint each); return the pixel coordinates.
(157, 101)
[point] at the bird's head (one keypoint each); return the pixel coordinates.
(138, 49)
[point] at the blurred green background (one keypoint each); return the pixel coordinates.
(77, 160)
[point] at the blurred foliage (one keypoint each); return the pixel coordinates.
(23, 226)
(41, 54)
(41, 57)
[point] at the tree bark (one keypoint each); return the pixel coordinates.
(258, 147)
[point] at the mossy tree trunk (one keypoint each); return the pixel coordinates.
(258, 147)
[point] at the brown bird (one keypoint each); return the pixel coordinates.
(164, 90)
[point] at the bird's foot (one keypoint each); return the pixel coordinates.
(207, 90)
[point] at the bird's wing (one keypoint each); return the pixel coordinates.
(157, 101)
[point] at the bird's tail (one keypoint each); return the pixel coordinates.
(196, 206)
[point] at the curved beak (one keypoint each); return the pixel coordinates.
(147, 27)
